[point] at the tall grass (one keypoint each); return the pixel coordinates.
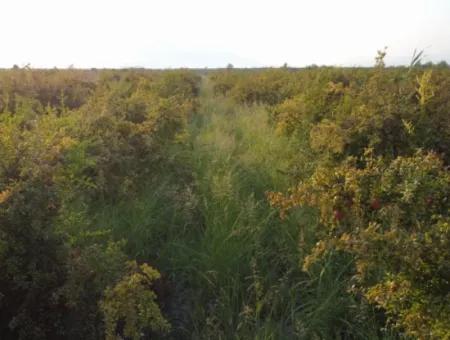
(236, 158)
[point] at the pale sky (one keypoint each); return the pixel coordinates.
(212, 33)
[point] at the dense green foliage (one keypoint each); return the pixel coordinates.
(243, 204)
(71, 141)
(376, 148)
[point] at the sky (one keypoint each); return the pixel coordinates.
(212, 33)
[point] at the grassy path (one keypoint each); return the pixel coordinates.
(240, 250)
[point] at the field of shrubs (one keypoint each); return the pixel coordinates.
(229, 204)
